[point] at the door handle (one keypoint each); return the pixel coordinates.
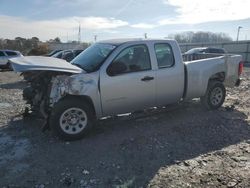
(147, 78)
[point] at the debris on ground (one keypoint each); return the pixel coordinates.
(179, 145)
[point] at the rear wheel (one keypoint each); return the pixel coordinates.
(215, 95)
(71, 119)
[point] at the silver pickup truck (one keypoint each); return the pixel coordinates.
(120, 76)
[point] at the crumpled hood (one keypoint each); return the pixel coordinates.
(40, 63)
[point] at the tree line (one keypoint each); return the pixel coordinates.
(30, 46)
(200, 37)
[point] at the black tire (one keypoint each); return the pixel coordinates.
(215, 95)
(61, 127)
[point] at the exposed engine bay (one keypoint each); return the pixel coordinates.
(37, 93)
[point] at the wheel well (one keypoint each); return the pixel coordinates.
(85, 98)
(220, 76)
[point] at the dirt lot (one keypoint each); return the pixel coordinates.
(179, 146)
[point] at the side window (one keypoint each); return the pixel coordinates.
(2, 54)
(164, 55)
(11, 53)
(68, 56)
(132, 59)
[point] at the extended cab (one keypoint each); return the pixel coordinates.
(120, 76)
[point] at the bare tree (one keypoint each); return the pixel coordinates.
(200, 37)
(21, 44)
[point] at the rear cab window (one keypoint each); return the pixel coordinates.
(164, 55)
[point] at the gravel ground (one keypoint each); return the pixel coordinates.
(179, 146)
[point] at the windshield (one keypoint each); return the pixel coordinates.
(92, 58)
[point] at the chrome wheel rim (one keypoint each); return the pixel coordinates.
(216, 96)
(73, 120)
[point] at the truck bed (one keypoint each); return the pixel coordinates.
(198, 73)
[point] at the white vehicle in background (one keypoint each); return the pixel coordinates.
(5, 55)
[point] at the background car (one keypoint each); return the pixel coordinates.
(67, 55)
(5, 55)
(202, 52)
(52, 53)
(211, 50)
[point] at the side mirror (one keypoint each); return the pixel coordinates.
(116, 67)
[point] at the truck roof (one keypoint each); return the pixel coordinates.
(128, 40)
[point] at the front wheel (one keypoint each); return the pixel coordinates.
(71, 119)
(215, 95)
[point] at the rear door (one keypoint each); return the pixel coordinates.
(170, 74)
(132, 89)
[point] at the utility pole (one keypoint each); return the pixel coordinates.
(238, 33)
(79, 33)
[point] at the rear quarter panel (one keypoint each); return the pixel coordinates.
(200, 71)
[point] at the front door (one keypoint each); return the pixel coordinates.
(131, 89)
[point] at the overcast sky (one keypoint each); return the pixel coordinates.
(48, 19)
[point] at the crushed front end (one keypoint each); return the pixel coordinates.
(37, 93)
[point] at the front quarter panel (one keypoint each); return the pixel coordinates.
(76, 85)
